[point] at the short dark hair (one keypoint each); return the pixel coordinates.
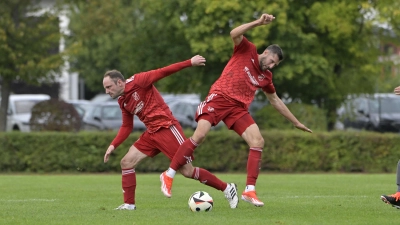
(114, 75)
(275, 49)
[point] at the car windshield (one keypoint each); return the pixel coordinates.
(387, 105)
(25, 106)
(112, 112)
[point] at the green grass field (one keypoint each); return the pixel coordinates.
(289, 199)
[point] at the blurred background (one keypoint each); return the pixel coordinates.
(342, 59)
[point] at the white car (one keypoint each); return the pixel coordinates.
(19, 110)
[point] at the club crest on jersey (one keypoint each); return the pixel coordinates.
(138, 107)
(136, 96)
(252, 79)
(261, 77)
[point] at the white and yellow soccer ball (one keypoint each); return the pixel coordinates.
(200, 201)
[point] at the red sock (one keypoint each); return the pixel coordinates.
(253, 165)
(129, 185)
(209, 179)
(182, 155)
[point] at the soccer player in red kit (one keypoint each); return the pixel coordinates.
(138, 96)
(229, 99)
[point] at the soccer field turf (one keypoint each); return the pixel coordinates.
(289, 199)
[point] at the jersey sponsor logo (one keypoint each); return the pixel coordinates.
(138, 107)
(136, 96)
(261, 77)
(252, 79)
(130, 79)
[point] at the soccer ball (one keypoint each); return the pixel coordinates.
(200, 201)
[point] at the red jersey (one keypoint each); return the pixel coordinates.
(141, 98)
(242, 76)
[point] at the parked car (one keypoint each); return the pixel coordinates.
(184, 110)
(19, 110)
(80, 105)
(107, 116)
(102, 97)
(376, 112)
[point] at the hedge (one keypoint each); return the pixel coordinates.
(223, 151)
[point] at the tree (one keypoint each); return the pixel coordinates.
(29, 41)
(331, 50)
(127, 36)
(331, 47)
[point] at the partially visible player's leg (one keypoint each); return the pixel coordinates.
(209, 179)
(128, 165)
(394, 199)
(183, 155)
(186, 149)
(208, 114)
(248, 129)
(180, 151)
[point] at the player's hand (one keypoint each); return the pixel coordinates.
(265, 19)
(108, 153)
(198, 60)
(397, 90)
(303, 128)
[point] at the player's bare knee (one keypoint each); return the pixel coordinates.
(128, 163)
(257, 142)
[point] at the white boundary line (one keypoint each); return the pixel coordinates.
(322, 196)
(28, 200)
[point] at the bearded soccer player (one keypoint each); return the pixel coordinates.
(229, 99)
(138, 96)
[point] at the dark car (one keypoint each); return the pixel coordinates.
(107, 116)
(375, 112)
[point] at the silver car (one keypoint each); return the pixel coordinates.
(19, 110)
(107, 116)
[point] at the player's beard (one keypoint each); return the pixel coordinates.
(263, 67)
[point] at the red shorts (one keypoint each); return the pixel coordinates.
(216, 108)
(165, 140)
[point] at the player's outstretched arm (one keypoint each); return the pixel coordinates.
(152, 76)
(277, 103)
(237, 33)
(397, 90)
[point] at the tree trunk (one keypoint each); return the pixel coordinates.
(5, 94)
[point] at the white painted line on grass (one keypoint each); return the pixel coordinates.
(325, 196)
(28, 200)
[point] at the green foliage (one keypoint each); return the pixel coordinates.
(137, 37)
(331, 47)
(29, 42)
(223, 151)
(312, 116)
